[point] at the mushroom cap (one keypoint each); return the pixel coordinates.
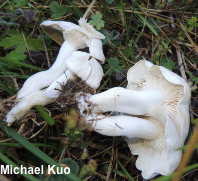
(55, 29)
(157, 156)
(88, 70)
(60, 31)
(175, 90)
(93, 33)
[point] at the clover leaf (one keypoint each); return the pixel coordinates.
(58, 10)
(97, 21)
(113, 67)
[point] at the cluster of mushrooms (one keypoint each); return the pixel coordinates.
(153, 114)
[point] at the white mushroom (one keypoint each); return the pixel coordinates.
(154, 138)
(160, 99)
(71, 37)
(149, 84)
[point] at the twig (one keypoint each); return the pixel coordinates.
(46, 52)
(181, 65)
(28, 50)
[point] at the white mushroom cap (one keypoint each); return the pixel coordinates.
(159, 155)
(55, 29)
(88, 70)
(175, 90)
(83, 35)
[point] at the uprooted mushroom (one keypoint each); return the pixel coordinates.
(71, 37)
(155, 118)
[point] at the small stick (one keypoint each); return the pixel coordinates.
(46, 52)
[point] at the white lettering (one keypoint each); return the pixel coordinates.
(51, 169)
(23, 170)
(15, 170)
(5, 169)
(67, 170)
(59, 170)
(30, 170)
(37, 170)
(42, 169)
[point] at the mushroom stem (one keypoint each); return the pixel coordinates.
(45, 78)
(131, 127)
(37, 97)
(55, 88)
(125, 100)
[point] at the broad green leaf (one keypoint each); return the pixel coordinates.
(54, 7)
(56, 15)
(16, 39)
(20, 3)
(113, 62)
(169, 65)
(62, 9)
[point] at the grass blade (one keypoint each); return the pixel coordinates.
(6, 88)
(45, 115)
(124, 170)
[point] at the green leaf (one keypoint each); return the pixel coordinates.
(54, 7)
(16, 39)
(96, 21)
(56, 15)
(8, 24)
(45, 115)
(185, 147)
(118, 69)
(113, 62)
(190, 28)
(62, 9)
(195, 79)
(20, 3)
(169, 65)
